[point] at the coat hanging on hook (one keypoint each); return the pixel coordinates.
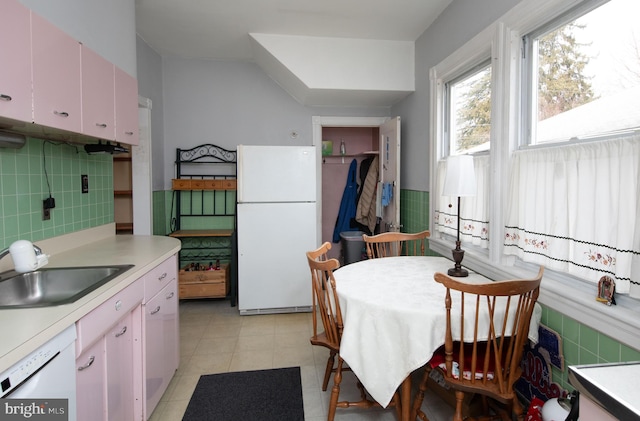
(348, 203)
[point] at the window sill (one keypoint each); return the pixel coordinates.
(621, 322)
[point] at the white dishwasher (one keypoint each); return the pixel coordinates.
(46, 373)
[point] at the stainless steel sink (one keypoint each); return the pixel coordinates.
(54, 286)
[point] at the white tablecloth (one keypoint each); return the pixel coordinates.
(394, 318)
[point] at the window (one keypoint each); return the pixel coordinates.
(557, 216)
(562, 178)
(469, 111)
(584, 73)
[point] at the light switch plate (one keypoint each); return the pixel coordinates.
(85, 183)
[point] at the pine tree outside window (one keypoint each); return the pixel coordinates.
(583, 74)
(469, 111)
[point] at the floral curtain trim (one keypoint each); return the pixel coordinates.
(576, 208)
(474, 211)
(470, 230)
(590, 259)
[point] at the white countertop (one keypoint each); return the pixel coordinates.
(613, 386)
(24, 330)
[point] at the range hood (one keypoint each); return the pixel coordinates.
(12, 140)
(102, 148)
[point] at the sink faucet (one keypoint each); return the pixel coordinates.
(5, 252)
(18, 250)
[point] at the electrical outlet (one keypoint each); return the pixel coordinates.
(46, 212)
(84, 178)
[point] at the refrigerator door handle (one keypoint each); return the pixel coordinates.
(239, 174)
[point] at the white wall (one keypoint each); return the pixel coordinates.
(457, 24)
(150, 86)
(107, 27)
(229, 103)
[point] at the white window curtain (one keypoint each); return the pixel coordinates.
(474, 211)
(576, 208)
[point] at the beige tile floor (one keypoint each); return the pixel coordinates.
(214, 338)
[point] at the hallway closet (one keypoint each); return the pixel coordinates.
(374, 141)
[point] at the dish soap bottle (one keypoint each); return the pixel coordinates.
(343, 147)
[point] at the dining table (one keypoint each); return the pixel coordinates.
(394, 320)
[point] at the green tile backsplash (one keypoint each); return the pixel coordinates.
(28, 174)
(583, 345)
(414, 212)
(161, 212)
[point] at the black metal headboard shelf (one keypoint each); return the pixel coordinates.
(205, 154)
(203, 208)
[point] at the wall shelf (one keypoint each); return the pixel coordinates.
(341, 158)
(123, 193)
(203, 215)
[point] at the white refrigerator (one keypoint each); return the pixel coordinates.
(277, 225)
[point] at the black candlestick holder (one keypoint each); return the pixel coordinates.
(458, 255)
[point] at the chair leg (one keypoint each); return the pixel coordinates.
(518, 410)
(329, 369)
(457, 416)
(335, 391)
(417, 401)
(397, 404)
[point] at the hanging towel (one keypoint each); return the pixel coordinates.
(348, 204)
(387, 193)
(366, 210)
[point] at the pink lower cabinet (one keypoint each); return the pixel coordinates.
(108, 352)
(161, 337)
(91, 382)
(128, 348)
(120, 344)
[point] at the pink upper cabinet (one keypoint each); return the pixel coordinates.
(98, 100)
(126, 89)
(56, 76)
(15, 56)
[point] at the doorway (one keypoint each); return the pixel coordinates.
(364, 138)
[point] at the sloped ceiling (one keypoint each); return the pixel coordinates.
(320, 71)
(220, 30)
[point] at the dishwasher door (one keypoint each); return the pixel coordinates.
(47, 373)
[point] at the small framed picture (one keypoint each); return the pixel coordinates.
(606, 290)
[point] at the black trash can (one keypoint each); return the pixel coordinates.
(353, 248)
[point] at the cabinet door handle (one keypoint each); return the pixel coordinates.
(124, 329)
(161, 277)
(129, 133)
(61, 113)
(157, 309)
(88, 364)
(170, 295)
(102, 125)
(5, 97)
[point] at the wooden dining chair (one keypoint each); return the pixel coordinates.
(326, 306)
(319, 337)
(390, 244)
(488, 361)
